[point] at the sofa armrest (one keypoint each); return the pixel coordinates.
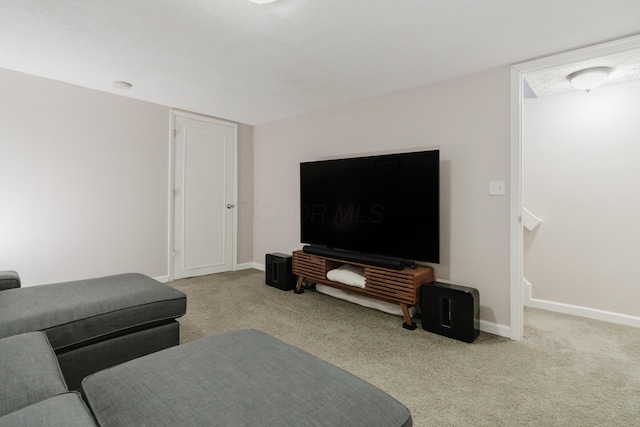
(9, 280)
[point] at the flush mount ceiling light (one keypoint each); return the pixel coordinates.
(589, 78)
(261, 1)
(122, 85)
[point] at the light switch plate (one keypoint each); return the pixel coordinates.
(497, 188)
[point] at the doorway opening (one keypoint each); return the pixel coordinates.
(543, 75)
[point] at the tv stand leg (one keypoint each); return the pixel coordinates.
(298, 289)
(408, 323)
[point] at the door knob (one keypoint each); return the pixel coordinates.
(230, 206)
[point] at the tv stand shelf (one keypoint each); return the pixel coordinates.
(394, 286)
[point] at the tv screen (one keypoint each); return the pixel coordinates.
(382, 205)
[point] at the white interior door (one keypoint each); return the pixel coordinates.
(204, 196)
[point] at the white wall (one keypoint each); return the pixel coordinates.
(468, 118)
(581, 176)
(83, 181)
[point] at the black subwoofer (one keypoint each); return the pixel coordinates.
(278, 271)
(450, 310)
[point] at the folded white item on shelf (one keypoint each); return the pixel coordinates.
(350, 275)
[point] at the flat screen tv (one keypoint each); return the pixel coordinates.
(385, 205)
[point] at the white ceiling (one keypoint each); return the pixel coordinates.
(260, 63)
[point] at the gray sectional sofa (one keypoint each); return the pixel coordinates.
(243, 377)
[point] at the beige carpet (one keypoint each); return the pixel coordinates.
(567, 371)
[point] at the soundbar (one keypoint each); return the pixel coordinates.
(377, 260)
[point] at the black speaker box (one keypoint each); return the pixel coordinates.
(450, 310)
(278, 271)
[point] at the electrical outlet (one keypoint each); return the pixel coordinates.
(497, 188)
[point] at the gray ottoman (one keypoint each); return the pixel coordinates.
(95, 323)
(238, 378)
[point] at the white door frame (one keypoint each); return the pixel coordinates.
(173, 115)
(516, 259)
(518, 73)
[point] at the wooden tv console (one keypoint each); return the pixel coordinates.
(394, 286)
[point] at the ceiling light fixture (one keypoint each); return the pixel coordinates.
(122, 85)
(261, 1)
(589, 78)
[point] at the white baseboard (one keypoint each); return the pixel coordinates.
(590, 313)
(243, 266)
(258, 266)
(248, 265)
(495, 329)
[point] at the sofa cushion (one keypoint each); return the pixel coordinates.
(9, 279)
(64, 410)
(237, 378)
(72, 313)
(29, 371)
